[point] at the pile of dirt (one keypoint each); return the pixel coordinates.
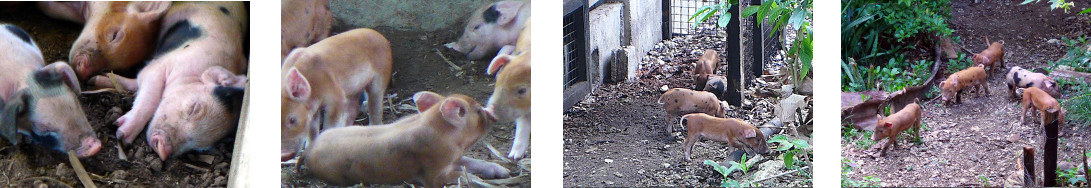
(30, 165)
(616, 136)
(978, 142)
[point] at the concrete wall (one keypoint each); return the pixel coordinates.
(424, 15)
(606, 30)
(622, 32)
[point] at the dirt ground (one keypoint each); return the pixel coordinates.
(982, 137)
(616, 136)
(418, 66)
(29, 165)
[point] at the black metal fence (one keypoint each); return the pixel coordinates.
(676, 14)
(577, 84)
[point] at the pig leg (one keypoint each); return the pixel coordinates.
(439, 177)
(144, 106)
(522, 137)
(1023, 115)
(100, 82)
(484, 169)
(375, 103)
(691, 139)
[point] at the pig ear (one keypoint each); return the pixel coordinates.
(454, 111)
(426, 99)
(222, 77)
(297, 85)
(497, 63)
(508, 11)
(65, 73)
(9, 111)
(954, 81)
(149, 11)
(232, 97)
(749, 133)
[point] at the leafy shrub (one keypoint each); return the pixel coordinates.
(876, 30)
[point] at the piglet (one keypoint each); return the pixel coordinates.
(706, 67)
(40, 101)
(326, 83)
(733, 131)
(891, 126)
(427, 146)
(717, 85)
(679, 101)
(510, 100)
(302, 23)
(1023, 78)
(991, 57)
(491, 28)
(117, 36)
(1037, 99)
(970, 77)
(191, 92)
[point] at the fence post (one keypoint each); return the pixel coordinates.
(734, 58)
(1050, 156)
(1028, 167)
(757, 45)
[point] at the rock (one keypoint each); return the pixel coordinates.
(119, 174)
(65, 173)
(768, 169)
(609, 160)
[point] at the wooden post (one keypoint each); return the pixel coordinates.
(734, 58)
(1050, 166)
(1028, 167)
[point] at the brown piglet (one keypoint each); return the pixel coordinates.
(510, 100)
(706, 66)
(117, 36)
(970, 77)
(427, 146)
(733, 131)
(891, 126)
(1036, 99)
(991, 57)
(335, 76)
(679, 101)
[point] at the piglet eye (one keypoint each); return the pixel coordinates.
(522, 91)
(477, 26)
(115, 36)
(292, 121)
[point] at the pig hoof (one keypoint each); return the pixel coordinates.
(515, 154)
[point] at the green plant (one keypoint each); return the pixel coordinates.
(707, 11)
(1077, 57)
(1054, 4)
(896, 75)
(876, 30)
(983, 179)
(797, 14)
(726, 172)
(791, 149)
(1070, 177)
(867, 181)
(1078, 108)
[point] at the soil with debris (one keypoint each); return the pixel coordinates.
(617, 135)
(978, 142)
(419, 66)
(31, 165)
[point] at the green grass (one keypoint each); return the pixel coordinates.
(846, 181)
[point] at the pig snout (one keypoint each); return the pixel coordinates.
(89, 146)
(488, 112)
(86, 64)
(160, 145)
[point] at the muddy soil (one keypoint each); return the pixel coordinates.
(29, 165)
(981, 139)
(617, 135)
(419, 66)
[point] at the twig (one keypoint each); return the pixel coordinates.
(779, 175)
(80, 171)
(769, 126)
(496, 152)
(47, 179)
(447, 60)
(196, 167)
(121, 152)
